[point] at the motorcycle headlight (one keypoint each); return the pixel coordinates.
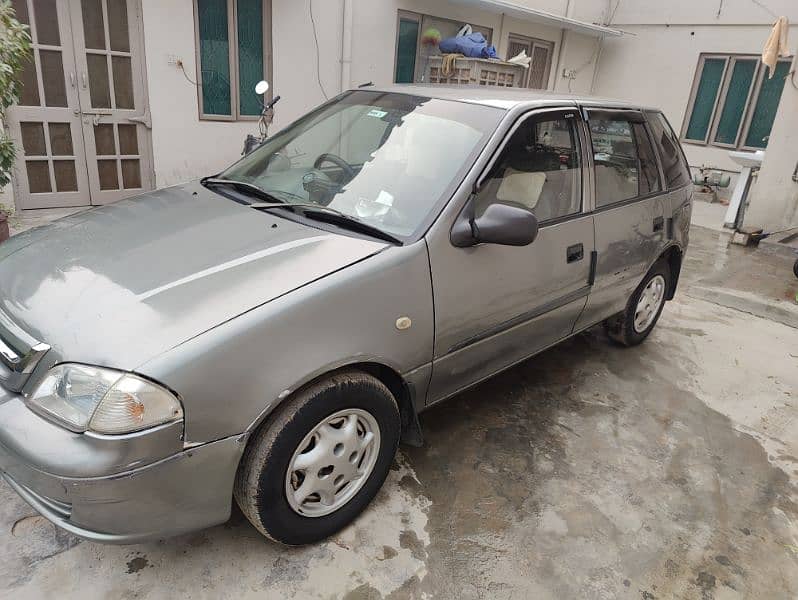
(85, 398)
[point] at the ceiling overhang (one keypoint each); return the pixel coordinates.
(525, 13)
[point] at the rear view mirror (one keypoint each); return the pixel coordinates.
(261, 88)
(500, 224)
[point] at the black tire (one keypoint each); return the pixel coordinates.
(260, 481)
(795, 268)
(621, 328)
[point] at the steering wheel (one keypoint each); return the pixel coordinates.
(337, 161)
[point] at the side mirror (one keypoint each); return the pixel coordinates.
(500, 224)
(261, 88)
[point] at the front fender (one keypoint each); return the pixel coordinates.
(232, 376)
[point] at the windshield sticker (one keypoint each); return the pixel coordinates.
(379, 114)
(384, 198)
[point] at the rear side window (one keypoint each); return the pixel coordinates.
(649, 173)
(674, 164)
(624, 159)
(615, 159)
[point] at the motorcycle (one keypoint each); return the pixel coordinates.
(266, 117)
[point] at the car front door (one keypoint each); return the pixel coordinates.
(630, 209)
(496, 305)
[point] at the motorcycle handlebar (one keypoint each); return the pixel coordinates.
(268, 105)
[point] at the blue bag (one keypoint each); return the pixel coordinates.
(472, 46)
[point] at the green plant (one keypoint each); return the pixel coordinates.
(14, 51)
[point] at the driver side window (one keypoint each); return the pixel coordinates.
(539, 169)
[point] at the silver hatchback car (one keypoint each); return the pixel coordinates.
(271, 333)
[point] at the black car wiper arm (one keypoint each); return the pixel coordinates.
(330, 215)
(242, 186)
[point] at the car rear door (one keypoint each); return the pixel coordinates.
(630, 208)
(496, 305)
(676, 175)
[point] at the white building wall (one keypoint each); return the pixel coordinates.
(185, 147)
(653, 64)
(685, 12)
(656, 64)
(295, 73)
(774, 200)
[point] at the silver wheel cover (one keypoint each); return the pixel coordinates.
(651, 298)
(332, 463)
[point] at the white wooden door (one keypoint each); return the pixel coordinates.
(82, 123)
(115, 121)
(46, 125)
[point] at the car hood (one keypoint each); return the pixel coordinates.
(120, 284)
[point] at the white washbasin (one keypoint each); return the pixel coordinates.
(748, 159)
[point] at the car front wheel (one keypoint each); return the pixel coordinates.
(316, 463)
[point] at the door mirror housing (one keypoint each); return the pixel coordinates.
(261, 87)
(501, 224)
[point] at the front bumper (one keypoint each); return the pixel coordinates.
(47, 466)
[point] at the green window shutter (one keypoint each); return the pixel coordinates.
(766, 105)
(707, 93)
(214, 56)
(406, 51)
(250, 54)
(735, 103)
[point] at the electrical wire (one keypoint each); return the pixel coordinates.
(318, 52)
(769, 233)
(183, 68)
(597, 50)
(614, 10)
(764, 7)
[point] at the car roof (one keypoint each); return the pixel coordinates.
(501, 97)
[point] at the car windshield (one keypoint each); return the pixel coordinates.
(390, 160)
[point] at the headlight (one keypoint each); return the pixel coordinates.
(87, 398)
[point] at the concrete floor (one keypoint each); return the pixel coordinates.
(591, 471)
(28, 219)
(709, 215)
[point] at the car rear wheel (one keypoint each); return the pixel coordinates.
(316, 463)
(642, 312)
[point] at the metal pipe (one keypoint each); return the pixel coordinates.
(346, 45)
(560, 48)
(499, 42)
(596, 64)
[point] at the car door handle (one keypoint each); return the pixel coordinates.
(659, 223)
(575, 253)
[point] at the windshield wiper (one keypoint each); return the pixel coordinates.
(244, 187)
(330, 215)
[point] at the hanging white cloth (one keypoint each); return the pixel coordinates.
(521, 59)
(776, 46)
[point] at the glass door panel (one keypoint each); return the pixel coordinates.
(46, 125)
(115, 124)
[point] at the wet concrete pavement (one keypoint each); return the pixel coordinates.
(590, 471)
